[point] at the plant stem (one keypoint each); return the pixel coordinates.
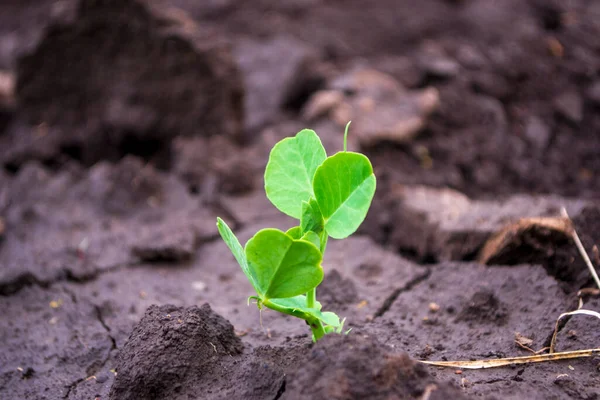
(317, 330)
(324, 244)
(315, 326)
(311, 298)
(346, 136)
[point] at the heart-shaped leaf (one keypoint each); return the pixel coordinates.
(290, 170)
(283, 267)
(236, 248)
(344, 186)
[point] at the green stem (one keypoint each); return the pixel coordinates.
(311, 298)
(317, 330)
(346, 136)
(324, 244)
(315, 326)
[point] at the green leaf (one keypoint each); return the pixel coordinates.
(344, 186)
(283, 267)
(296, 306)
(236, 248)
(312, 219)
(330, 318)
(295, 232)
(290, 170)
(313, 238)
(295, 303)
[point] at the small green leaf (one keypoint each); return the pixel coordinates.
(296, 306)
(236, 248)
(290, 170)
(312, 219)
(312, 238)
(344, 186)
(330, 318)
(340, 328)
(283, 267)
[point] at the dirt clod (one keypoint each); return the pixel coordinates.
(546, 241)
(275, 73)
(172, 351)
(7, 91)
(446, 224)
(380, 108)
(484, 307)
(175, 245)
(127, 84)
(355, 367)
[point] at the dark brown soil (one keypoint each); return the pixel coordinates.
(174, 353)
(127, 126)
(359, 367)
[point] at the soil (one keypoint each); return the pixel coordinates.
(119, 150)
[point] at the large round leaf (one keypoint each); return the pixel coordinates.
(344, 186)
(290, 170)
(283, 267)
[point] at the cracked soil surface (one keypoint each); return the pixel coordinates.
(117, 157)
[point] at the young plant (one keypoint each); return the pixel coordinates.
(330, 196)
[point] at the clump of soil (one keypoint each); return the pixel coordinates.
(109, 78)
(554, 249)
(172, 351)
(484, 307)
(355, 367)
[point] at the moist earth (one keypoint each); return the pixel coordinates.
(119, 150)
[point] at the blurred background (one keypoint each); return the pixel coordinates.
(488, 97)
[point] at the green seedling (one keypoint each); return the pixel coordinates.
(330, 196)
